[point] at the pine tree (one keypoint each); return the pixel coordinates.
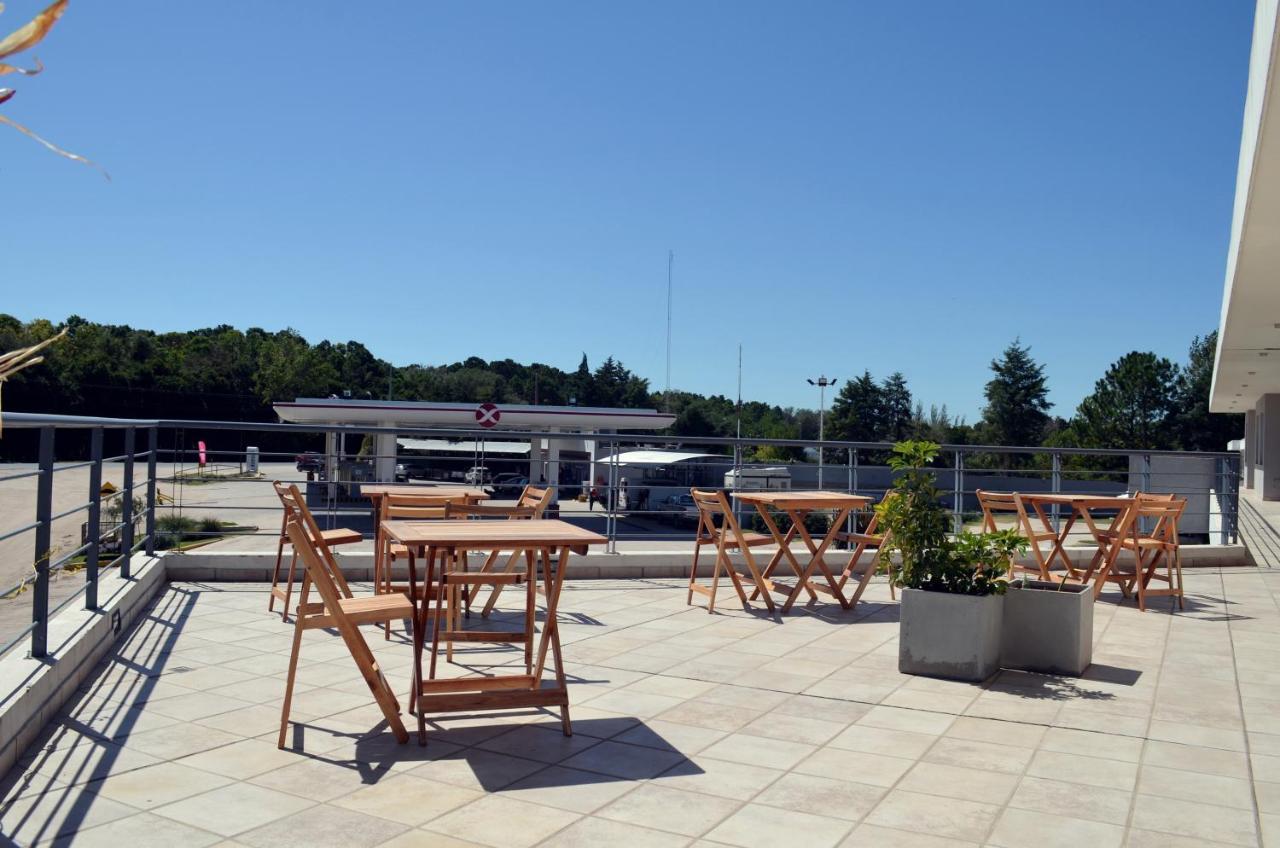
(1132, 406)
(1017, 399)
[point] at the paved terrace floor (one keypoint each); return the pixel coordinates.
(691, 729)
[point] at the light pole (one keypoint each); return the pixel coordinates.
(822, 383)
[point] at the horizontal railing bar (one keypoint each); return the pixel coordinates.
(26, 528)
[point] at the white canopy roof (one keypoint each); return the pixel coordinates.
(658, 457)
(447, 446)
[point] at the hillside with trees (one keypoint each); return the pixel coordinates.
(224, 373)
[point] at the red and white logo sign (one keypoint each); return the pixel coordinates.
(487, 415)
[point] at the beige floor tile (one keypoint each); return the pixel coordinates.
(620, 760)
(153, 786)
(323, 827)
(954, 818)
(757, 826)
(1091, 771)
(57, 812)
(684, 739)
(914, 721)
(1018, 828)
(678, 811)
(423, 838)
(721, 778)
(140, 831)
(872, 769)
(759, 751)
(988, 787)
(1194, 820)
(502, 821)
(877, 740)
(484, 771)
(1104, 745)
(1139, 838)
(883, 837)
(996, 732)
(569, 789)
(178, 740)
(1196, 758)
(233, 809)
(824, 796)
(407, 799)
(1196, 786)
(543, 744)
(804, 729)
(593, 832)
(242, 759)
(988, 756)
(1087, 802)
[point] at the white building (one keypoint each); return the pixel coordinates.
(1247, 372)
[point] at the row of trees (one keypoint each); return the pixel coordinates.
(1143, 400)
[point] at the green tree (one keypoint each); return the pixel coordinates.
(1017, 399)
(858, 411)
(897, 407)
(1197, 427)
(1131, 407)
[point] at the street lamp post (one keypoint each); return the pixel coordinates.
(822, 383)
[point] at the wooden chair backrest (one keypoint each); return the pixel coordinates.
(420, 507)
(538, 499)
(1163, 512)
(711, 504)
(461, 510)
(319, 573)
(301, 518)
(993, 502)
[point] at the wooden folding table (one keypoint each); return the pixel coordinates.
(554, 540)
(797, 505)
(1083, 507)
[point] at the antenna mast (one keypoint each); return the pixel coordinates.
(666, 394)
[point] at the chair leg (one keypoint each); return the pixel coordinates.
(693, 574)
(721, 558)
(275, 574)
(384, 588)
(288, 589)
(530, 608)
(288, 685)
(1177, 575)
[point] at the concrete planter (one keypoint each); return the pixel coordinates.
(1046, 628)
(952, 636)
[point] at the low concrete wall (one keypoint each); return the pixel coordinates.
(251, 566)
(32, 691)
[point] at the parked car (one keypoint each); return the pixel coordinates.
(681, 509)
(508, 486)
(477, 475)
(402, 473)
(309, 461)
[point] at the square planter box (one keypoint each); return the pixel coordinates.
(1046, 628)
(952, 636)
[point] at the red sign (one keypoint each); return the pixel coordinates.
(203, 459)
(487, 415)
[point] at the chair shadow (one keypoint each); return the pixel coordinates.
(376, 754)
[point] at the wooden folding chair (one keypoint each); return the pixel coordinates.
(867, 540)
(527, 508)
(292, 500)
(726, 535)
(1149, 548)
(1011, 502)
(402, 507)
(338, 609)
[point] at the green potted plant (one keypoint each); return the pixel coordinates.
(952, 589)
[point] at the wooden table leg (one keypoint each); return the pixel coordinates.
(784, 550)
(817, 552)
(776, 559)
(551, 638)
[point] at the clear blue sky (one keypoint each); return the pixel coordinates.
(846, 185)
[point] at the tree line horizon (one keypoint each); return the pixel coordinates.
(1142, 401)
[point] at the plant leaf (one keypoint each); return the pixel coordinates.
(26, 37)
(26, 72)
(55, 148)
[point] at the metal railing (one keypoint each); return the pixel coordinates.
(638, 503)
